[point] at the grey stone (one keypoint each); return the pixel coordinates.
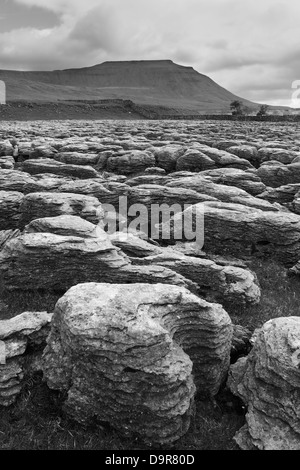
(268, 381)
(126, 354)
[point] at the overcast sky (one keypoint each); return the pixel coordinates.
(252, 48)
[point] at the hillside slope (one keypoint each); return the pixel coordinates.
(151, 83)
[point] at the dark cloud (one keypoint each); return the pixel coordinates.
(14, 17)
(250, 48)
(97, 30)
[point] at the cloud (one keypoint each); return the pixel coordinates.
(248, 47)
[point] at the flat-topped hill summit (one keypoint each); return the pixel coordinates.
(145, 82)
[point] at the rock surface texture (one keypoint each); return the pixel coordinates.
(10, 209)
(240, 230)
(16, 335)
(114, 203)
(38, 205)
(229, 284)
(58, 253)
(268, 381)
(133, 356)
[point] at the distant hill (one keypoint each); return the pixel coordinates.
(148, 83)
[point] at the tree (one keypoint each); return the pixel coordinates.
(239, 109)
(263, 110)
(236, 108)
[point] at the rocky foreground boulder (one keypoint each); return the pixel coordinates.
(168, 155)
(134, 355)
(76, 158)
(6, 148)
(46, 182)
(284, 195)
(274, 154)
(268, 382)
(276, 174)
(221, 192)
(247, 180)
(223, 159)
(247, 152)
(7, 163)
(13, 180)
(47, 165)
(225, 284)
(61, 252)
(130, 162)
(239, 230)
(10, 209)
(40, 205)
(195, 161)
(19, 336)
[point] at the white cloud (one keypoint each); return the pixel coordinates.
(248, 47)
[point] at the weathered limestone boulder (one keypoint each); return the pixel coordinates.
(131, 355)
(277, 144)
(43, 152)
(16, 335)
(240, 230)
(10, 209)
(39, 205)
(221, 192)
(245, 180)
(224, 284)
(195, 161)
(103, 159)
(106, 192)
(155, 170)
(13, 180)
(75, 158)
(272, 163)
(168, 155)
(66, 225)
(46, 182)
(194, 250)
(46, 165)
(278, 154)
(268, 382)
(225, 144)
(25, 150)
(247, 152)
(7, 163)
(78, 147)
(149, 195)
(68, 252)
(276, 175)
(135, 161)
(6, 148)
(131, 144)
(133, 246)
(226, 159)
(160, 180)
(283, 195)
